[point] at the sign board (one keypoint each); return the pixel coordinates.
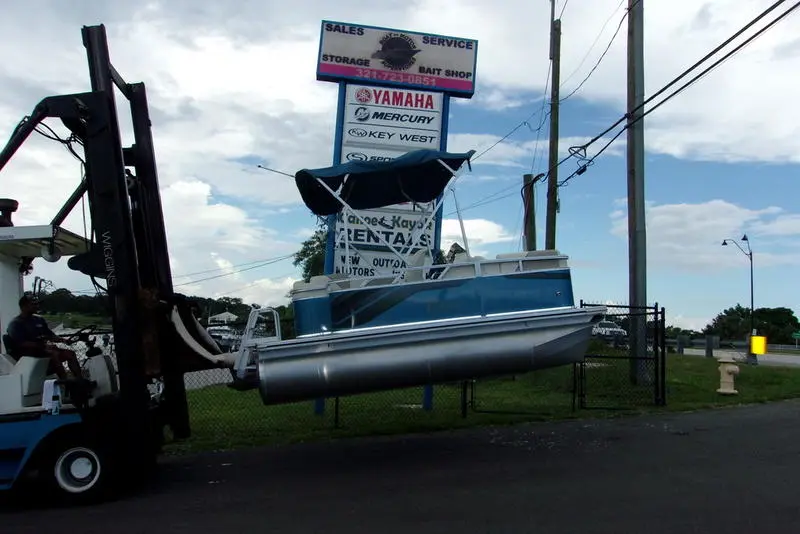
(796, 335)
(368, 263)
(380, 124)
(388, 57)
(402, 230)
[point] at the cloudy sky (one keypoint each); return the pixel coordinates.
(232, 84)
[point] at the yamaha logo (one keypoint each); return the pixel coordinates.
(356, 156)
(364, 96)
(361, 113)
(358, 132)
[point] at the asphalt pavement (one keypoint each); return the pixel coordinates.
(730, 471)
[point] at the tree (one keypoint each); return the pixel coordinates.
(777, 324)
(311, 256)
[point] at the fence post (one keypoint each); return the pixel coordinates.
(709, 346)
(464, 386)
(663, 362)
(427, 398)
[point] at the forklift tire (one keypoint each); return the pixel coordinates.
(76, 470)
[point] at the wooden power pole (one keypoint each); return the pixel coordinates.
(637, 256)
(552, 174)
(529, 207)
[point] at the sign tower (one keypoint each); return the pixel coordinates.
(394, 97)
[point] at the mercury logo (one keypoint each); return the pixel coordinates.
(361, 114)
(364, 95)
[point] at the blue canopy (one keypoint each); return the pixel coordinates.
(416, 176)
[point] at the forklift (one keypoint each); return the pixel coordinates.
(87, 436)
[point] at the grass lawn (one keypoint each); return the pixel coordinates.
(226, 419)
(75, 320)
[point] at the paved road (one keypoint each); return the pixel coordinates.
(730, 471)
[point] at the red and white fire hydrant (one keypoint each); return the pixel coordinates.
(727, 370)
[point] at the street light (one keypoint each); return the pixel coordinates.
(751, 358)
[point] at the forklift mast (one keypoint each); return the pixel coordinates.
(129, 244)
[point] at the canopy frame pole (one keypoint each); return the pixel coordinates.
(453, 176)
(357, 216)
(461, 223)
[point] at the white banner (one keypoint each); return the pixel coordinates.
(400, 229)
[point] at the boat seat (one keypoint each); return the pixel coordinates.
(24, 384)
(415, 261)
(7, 364)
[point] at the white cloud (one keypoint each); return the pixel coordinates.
(480, 234)
(494, 99)
(226, 92)
(689, 323)
(727, 115)
(689, 236)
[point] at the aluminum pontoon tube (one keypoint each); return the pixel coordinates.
(345, 364)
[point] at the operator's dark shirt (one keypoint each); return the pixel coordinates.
(24, 329)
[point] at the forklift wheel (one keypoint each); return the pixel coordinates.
(76, 470)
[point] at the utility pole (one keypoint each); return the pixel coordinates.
(529, 207)
(552, 165)
(637, 254)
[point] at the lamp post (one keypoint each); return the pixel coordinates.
(751, 358)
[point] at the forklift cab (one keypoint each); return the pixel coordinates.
(23, 378)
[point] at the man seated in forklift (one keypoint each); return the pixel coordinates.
(31, 336)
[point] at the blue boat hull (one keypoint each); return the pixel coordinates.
(433, 300)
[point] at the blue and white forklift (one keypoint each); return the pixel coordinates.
(86, 436)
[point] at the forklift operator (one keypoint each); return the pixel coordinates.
(32, 337)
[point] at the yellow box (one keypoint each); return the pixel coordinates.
(758, 344)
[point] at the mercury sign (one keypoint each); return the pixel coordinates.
(389, 57)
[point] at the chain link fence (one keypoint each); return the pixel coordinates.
(226, 418)
(222, 417)
(621, 369)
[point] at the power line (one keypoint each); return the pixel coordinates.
(525, 122)
(224, 268)
(563, 8)
(596, 40)
(576, 151)
(682, 88)
(603, 55)
(231, 273)
(690, 69)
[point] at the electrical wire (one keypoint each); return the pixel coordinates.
(603, 55)
(689, 70)
(596, 40)
(686, 85)
(218, 269)
(563, 8)
(231, 273)
(579, 151)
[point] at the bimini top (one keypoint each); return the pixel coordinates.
(416, 176)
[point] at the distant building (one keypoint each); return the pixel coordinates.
(222, 318)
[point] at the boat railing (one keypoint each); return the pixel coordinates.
(461, 267)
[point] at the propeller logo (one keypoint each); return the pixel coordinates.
(397, 52)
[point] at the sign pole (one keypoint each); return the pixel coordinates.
(394, 97)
